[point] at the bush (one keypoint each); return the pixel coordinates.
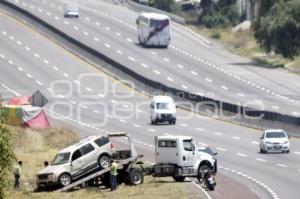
(166, 5)
(215, 35)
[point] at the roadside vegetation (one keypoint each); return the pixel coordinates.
(272, 41)
(34, 147)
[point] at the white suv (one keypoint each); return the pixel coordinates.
(274, 140)
(75, 161)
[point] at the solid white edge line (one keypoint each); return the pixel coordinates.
(205, 192)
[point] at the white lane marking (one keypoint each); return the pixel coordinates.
(224, 87)
(107, 28)
(86, 18)
(66, 75)
(98, 23)
(153, 52)
(36, 55)
(107, 45)
(48, 14)
(193, 72)
(184, 86)
(136, 125)
(96, 39)
(200, 129)
(184, 125)
(32, 7)
(19, 42)
(221, 149)
(117, 33)
(203, 190)
(180, 66)
(261, 160)
(76, 82)
(65, 22)
(217, 133)
(11, 37)
(132, 59)
(85, 33)
(275, 107)
(27, 48)
(236, 138)
(119, 52)
(28, 75)
(55, 68)
(84, 107)
(129, 40)
(241, 94)
(123, 121)
(296, 113)
(166, 59)
(46, 61)
(281, 165)
(203, 144)
(56, 18)
(96, 111)
(72, 102)
(4, 33)
(89, 89)
(255, 142)
(2, 56)
(40, 10)
(170, 79)
(109, 116)
(75, 27)
(113, 101)
(156, 71)
(20, 69)
(241, 154)
(296, 152)
(145, 65)
(38, 82)
(151, 130)
(208, 80)
(10, 62)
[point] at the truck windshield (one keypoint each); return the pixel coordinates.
(61, 158)
(188, 145)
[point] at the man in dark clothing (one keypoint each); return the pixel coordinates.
(17, 174)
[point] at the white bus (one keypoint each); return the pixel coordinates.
(153, 29)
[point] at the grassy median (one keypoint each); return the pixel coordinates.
(34, 147)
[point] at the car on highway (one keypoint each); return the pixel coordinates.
(162, 109)
(71, 11)
(274, 140)
(75, 161)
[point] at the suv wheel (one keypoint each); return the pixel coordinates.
(104, 161)
(65, 179)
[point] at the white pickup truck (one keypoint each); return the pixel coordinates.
(177, 156)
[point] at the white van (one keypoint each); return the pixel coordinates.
(162, 109)
(153, 29)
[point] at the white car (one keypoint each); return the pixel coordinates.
(162, 109)
(71, 11)
(75, 161)
(275, 140)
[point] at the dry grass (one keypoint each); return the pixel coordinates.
(33, 147)
(244, 44)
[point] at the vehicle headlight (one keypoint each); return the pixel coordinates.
(52, 177)
(268, 142)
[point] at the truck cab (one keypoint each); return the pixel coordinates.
(178, 156)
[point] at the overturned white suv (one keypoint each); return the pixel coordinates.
(75, 161)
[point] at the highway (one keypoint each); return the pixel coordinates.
(188, 64)
(29, 62)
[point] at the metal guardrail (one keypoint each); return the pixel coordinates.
(154, 85)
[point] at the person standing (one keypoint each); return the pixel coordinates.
(17, 174)
(113, 175)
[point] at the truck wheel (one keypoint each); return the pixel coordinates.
(103, 161)
(64, 179)
(179, 178)
(201, 170)
(136, 177)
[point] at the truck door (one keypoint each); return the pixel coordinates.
(188, 154)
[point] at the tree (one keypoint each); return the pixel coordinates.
(166, 5)
(279, 29)
(7, 155)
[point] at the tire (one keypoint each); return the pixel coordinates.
(152, 122)
(179, 178)
(104, 161)
(287, 151)
(170, 122)
(64, 180)
(136, 177)
(174, 122)
(200, 169)
(261, 151)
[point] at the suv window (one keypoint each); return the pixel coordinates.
(167, 143)
(102, 141)
(76, 155)
(188, 145)
(86, 149)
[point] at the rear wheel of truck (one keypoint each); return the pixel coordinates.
(136, 177)
(179, 178)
